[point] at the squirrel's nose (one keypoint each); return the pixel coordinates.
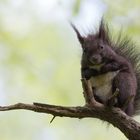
(94, 58)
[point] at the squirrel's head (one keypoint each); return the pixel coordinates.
(96, 47)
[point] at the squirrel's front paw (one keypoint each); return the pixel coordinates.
(86, 74)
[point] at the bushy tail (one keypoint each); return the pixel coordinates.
(137, 97)
(125, 47)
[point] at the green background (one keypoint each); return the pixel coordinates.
(40, 62)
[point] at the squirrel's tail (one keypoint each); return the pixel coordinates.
(129, 50)
(137, 97)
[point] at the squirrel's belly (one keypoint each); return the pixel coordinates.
(102, 85)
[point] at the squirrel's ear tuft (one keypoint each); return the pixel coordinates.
(80, 38)
(103, 31)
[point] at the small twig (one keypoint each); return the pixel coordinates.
(87, 91)
(52, 119)
(89, 95)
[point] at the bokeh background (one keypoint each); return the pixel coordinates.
(40, 62)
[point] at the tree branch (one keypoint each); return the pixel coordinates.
(93, 109)
(115, 116)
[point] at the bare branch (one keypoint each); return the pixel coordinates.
(115, 116)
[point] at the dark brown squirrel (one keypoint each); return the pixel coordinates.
(111, 66)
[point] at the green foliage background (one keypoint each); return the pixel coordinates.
(42, 64)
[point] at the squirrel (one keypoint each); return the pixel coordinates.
(112, 66)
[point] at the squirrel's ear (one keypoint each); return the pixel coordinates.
(103, 31)
(80, 38)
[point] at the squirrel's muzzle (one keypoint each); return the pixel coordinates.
(95, 59)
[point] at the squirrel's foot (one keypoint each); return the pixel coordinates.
(112, 100)
(128, 100)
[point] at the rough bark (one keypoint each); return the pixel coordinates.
(93, 109)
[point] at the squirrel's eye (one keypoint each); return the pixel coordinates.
(101, 47)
